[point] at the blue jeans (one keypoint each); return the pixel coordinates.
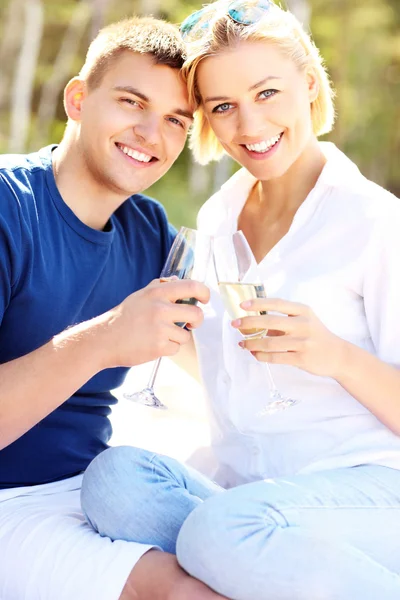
(333, 535)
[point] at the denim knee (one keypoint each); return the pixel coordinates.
(113, 485)
(221, 540)
(135, 495)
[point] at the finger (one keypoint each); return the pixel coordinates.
(171, 348)
(285, 307)
(184, 288)
(185, 313)
(178, 335)
(167, 279)
(294, 325)
(273, 344)
(278, 358)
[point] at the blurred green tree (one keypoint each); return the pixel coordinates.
(43, 44)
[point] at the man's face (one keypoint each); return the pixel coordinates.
(134, 125)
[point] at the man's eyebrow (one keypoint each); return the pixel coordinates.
(184, 113)
(131, 90)
(253, 87)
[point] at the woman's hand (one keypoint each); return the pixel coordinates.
(300, 339)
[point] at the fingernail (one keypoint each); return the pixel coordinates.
(241, 344)
(246, 304)
(236, 323)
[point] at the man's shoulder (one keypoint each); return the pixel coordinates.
(148, 219)
(18, 172)
(21, 183)
(149, 208)
(146, 202)
(12, 163)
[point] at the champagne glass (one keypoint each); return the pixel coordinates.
(188, 259)
(237, 276)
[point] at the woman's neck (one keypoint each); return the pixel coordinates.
(271, 206)
(283, 196)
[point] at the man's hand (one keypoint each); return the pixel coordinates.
(157, 576)
(140, 329)
(143, 327)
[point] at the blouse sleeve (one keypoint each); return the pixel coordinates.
(381, 287)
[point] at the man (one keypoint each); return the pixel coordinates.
(77, 307)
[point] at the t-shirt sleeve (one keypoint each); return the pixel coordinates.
(381, 288)
(10, 244)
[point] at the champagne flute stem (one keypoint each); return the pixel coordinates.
(153, 375)
(271, 379)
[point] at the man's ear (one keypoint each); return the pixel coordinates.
(74, 94)
(313, 84)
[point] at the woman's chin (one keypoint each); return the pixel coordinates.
(264, 172)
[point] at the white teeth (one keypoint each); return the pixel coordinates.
(136, 155)
(264, 145)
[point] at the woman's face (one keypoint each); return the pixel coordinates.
(258, 104)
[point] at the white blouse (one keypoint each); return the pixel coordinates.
(341, 257)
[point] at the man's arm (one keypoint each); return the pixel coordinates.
(138, 330)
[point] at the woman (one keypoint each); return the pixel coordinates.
(319, 515)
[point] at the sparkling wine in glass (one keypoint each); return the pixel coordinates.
(238, 280)
(188, 258)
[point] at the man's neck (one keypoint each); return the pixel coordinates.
(91, 202)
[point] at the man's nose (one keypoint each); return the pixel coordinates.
(148, 129)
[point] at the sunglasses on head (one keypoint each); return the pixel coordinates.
(240, 11)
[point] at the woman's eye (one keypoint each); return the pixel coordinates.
(221, 108)
(267, 93)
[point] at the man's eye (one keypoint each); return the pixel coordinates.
(221, 108)
(130, 101)
(176, 121)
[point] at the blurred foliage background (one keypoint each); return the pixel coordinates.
(43, 43)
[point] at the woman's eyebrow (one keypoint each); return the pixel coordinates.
(251, 88)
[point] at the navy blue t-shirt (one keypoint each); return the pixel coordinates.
(55, 272)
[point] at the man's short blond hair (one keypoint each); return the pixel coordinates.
(146, 35)
(278, 27)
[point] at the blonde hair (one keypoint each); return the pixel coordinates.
(146, 35)
(278, 27)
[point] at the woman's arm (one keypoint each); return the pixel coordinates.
(306, 343)
(372, 382)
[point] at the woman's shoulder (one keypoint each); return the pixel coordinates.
(365, 197)
(357, 194)
(221, 208)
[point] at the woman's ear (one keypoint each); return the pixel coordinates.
(74, 94)
(312, 83)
